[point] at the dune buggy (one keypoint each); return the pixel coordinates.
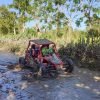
(42, 56)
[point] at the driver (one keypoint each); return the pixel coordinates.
(45, 51)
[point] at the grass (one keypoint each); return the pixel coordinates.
(14, 43)
(67, 43)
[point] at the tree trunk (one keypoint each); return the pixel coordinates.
(14, 31)
(23, 29)
(69, 28)
(58, 28)
(45, 30)
(58, 21)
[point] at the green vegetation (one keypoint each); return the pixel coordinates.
(56, 26)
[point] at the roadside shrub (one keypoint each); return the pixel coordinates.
(14, 48)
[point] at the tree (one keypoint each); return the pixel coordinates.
(48, 12)
(7, 21)
(23, 7)
(89, 9)
(71, 15)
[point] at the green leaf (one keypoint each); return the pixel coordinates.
(78, 23)
(76, 1)
(60, 2)
(72, 10)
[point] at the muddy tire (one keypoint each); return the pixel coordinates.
(69, 69)
(34, 65)
(22, 61)
(70, 66)
(53, 74)
(49, 72)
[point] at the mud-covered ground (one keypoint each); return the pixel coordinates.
(81, 85)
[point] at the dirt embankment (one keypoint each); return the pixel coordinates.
(13, 46)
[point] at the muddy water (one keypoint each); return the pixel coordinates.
(81, 85)
(7, 58)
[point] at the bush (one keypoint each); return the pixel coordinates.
(14, 48)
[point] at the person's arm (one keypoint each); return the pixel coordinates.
(33, 52)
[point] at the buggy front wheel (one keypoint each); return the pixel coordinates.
(22, 61)
(53, 74)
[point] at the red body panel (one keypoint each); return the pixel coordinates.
(40, 56)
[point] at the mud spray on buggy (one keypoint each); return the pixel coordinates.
(42, 56)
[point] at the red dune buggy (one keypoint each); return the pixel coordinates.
(42, 56)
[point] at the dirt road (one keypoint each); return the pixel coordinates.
(81, 85)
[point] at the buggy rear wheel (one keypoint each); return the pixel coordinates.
(70, 66)
(69, 69)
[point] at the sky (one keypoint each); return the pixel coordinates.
(5, 2)
(32, 23)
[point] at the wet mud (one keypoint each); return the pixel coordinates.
(17, 83)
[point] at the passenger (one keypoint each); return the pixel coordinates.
(52, 49)
(45, 51)
(34, 50)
